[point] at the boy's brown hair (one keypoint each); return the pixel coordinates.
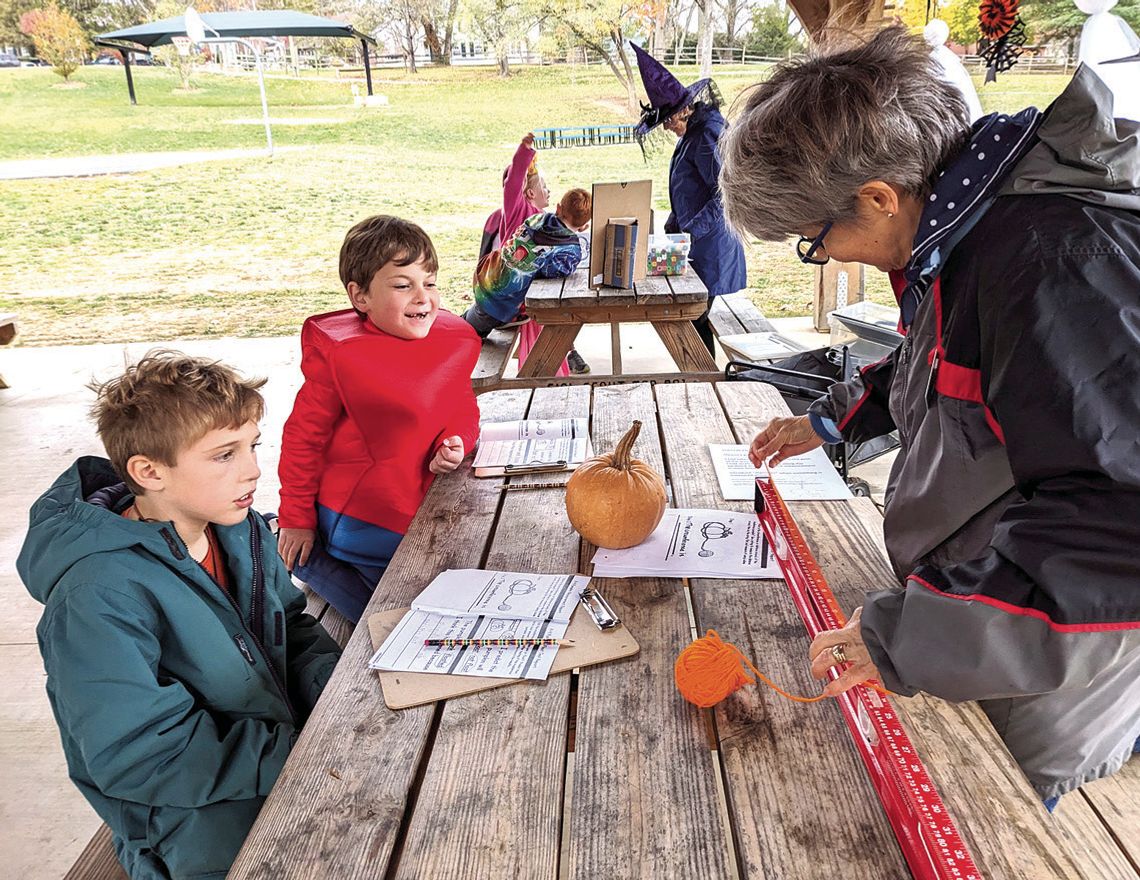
(575, 207)
(379, 240)
(167, 402)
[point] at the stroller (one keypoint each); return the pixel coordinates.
(803, 379)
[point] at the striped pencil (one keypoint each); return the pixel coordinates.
(494, 643)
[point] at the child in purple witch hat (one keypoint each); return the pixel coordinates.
(692, 113)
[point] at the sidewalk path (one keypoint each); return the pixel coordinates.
(122, 163)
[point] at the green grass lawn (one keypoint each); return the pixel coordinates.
(248, 247)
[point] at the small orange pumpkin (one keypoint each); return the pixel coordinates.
(613, 500)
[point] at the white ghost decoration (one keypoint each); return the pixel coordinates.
(1106, 37)
(936, 33)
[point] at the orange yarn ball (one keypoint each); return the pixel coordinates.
(709, 670)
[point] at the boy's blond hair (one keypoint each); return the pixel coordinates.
(167, 402)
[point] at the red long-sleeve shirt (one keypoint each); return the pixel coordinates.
(370, 416)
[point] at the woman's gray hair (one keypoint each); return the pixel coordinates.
(819, 128)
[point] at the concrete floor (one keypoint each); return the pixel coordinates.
(44, 823)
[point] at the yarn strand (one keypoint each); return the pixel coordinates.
(709, 670)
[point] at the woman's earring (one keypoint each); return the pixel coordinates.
(889, 214)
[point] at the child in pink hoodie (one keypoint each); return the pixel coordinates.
(525, 194)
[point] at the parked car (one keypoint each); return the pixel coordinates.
(7, 59)
(33, 62)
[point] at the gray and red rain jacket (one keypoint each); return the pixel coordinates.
(1013, 508)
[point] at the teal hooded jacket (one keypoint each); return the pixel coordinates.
(177, 704)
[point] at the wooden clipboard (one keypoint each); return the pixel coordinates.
(403, 690)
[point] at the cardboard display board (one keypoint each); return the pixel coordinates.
(631, 198)
(403, 690)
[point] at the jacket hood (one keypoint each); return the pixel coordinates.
(79, 517)
(1082, 151)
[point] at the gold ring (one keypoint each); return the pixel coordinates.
(838, 653)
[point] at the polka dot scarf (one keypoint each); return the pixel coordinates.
(963, 192)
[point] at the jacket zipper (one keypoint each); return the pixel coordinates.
(256, 600)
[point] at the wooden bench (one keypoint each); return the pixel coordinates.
(98, 860)
(493, 359)
(7, 334)
(744, 333)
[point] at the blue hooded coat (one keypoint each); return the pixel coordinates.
(716, 255)
(177, 703)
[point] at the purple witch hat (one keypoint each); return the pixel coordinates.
(665, 92)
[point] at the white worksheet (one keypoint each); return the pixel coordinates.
(532, 442)
(807, 477)
(404, 650)
(508, 594)
(695, 543)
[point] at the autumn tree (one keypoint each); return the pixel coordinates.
(499, 24)
(961, 16)
(604, 27)
(58, 38)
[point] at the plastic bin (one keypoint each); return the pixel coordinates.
(668, 254)
(867, 329)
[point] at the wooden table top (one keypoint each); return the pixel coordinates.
(573, 293)
(608, 772)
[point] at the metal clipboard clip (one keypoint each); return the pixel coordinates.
(549, 467)
(599, 609)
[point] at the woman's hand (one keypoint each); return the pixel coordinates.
(850, 640)
(294, 545)
(448, 457)
(528, 140)
(783, 438)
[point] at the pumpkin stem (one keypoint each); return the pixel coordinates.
(625, 447)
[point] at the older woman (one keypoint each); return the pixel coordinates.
(1013, 510)
(692, 114)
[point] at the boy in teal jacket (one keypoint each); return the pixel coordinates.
(180, 662)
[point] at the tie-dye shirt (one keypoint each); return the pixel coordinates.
(543, 246)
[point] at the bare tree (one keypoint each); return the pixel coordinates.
(705, 29)
(684, 32)
(449, 27)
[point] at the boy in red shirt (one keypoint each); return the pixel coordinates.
(386, 404)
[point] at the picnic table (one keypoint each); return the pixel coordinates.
(607, 772)
(669, 303)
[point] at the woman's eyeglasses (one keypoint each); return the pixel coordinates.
(812, 250)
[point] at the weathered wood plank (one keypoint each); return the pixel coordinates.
(1008, 831)
(653, 290)
(781, 758)
(554, 343)
(544, 293)
(98, 860)
(723, 319)
(616, 296)
(337, 625)
(645, 801)
(685, 346)
(1117, 802)
(1090, 840)
(494, 355)
(687, 288)
(576, 291)
(492, 791)
(751, 319)
(315, 604)
(338, 806)
(663, 311)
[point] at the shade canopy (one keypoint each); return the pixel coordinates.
(274, 23)
(231, 26)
